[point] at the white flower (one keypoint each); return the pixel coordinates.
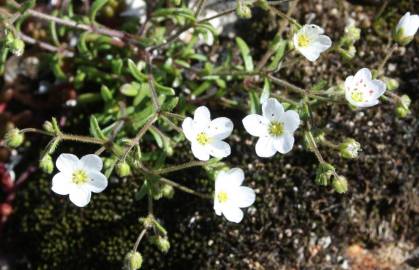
(78, 178)
(310, 41)
(362, 91)
(230, 196)
(207, 136)
(275, 128)
(135, 8)
(407, 28)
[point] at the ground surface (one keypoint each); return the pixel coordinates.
(294, 224)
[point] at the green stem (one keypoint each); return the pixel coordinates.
(181, 167)
(185, 189)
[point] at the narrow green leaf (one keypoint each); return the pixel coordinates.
(95, 130)
(96, 6)
(245, 52)
(136, 72)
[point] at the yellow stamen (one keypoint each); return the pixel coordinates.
(303, 40)
(357, 96)
(276, 129)
(202, 138)
(79, 177)
(222, 197)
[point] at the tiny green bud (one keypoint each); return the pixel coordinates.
(402, 112)
(123, 169)
(405, 101)
(176, 2)
(133, 260)
(353, 33)
(348, 54)
(340, 184)
(46, 164)
(391, 84)
(323, 174)
(14, 138)
(48, 127)
(263, 4)
(243, 10)
(17, 47)
(168, 191)
(349, 148)
(162, 243)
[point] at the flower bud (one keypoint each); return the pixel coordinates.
(353, 33)
(348, 54)
(14, 138)
(243, 10)
(402, 112)
(162, 243)
(168, 191)
(48, 127)
(17, 47)
(123, 169)
(323, 174)
(391, 84)
(406, 28)
(46, 164)
(263, 4)
(402, 107)
(133, 260)
(340, 184)
(349, 148)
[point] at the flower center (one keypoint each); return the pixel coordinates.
(222, 197)
(303, 40)
(357, 96)
(202, 138)
(79, 177)
(276, 129)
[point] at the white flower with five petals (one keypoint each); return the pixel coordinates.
(407, 28)
(311, 42)
(78, 178)
(207, 136)
(230, 195)
(362, 91)
(275, 128)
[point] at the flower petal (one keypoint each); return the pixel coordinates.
(363, 74)
(188, 128)
(220, 128)
(80, 196)
(244, 197)
(200, 152)
(92, 162)
(349, 82)
(233, 177)
(322, 43)
(379, 89)
(61, 183)
(312, 29)
(202, 117)
(265, 147)
(291, 120)
(98, 181)
(284, 143)
(232, 213)
(310, 53)
(272, 109)
(67, 163)
(255, 125)
(219, 149)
